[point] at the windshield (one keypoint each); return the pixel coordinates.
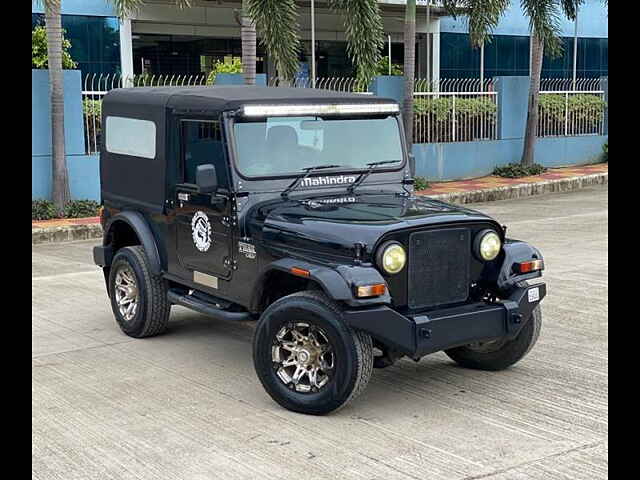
(283, 146)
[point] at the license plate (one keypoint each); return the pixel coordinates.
(534, 294)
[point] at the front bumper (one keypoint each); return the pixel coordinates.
(421, 334)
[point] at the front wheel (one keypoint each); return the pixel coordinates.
(499, 354)
(307, 359)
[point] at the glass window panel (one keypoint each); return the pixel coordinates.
(131, 136)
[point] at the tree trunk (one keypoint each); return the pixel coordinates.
(248, 37)
(531, 130)
(409, 69)
(60, 190)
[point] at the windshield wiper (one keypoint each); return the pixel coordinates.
(309, 171)
(363, 176)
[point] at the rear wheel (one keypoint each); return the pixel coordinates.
(307, 358)
(138, 298)
(499, 354)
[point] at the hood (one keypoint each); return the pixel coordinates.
(333, 224)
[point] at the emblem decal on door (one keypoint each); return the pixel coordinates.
(201, 231)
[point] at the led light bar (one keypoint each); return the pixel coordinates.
(319, 109)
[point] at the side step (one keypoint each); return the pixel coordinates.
(205, 307)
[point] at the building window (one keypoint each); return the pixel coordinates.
(95, 41)
(131, 136)
(509, 55)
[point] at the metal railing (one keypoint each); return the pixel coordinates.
(454, 110)
(95, 86)
(567, 111)
(340, 84)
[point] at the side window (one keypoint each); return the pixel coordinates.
(131, 136)
(202, 143)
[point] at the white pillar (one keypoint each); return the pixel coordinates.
(313, 44)
(126, 52)
(435, 57)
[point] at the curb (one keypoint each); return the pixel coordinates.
(522, 190)
(68, 233)
(90, 231)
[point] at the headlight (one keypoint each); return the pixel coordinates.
(391, 257)
(487, 245)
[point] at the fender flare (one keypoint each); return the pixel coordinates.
(337, 283)
(141, 228)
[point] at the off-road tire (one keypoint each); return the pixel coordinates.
(508, 354)
(152, 315)
(353, 353)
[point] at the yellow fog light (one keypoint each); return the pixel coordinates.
(392, 257)
(488, 245)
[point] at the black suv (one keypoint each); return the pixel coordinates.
(295, 208)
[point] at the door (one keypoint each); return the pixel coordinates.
(203, 221)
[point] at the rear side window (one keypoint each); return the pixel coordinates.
(131, 136)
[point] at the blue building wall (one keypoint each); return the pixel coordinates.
(463, 160)
(84, 177)
(592, 22)
(100, 8)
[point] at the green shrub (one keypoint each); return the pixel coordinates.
(605, 152)
(420, 183)
(441, 108)
(43, 210)
(81, 209)
(581, 107)
(382, 67)
(235, 66)
(92, 110)
(39, 55)
(517, 170)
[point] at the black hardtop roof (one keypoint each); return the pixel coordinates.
(232, 97)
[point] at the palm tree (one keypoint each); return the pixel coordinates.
(544, 18)
(248, 39)
(278, 27)
(409, 68)
(60, 184)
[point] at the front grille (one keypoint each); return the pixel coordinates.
(439, 267)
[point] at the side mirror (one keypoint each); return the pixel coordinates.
(412, 164)
(206, 178)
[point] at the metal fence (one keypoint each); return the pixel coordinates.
(567, 111)
(340, 84)
(454, 110)
(95, 86)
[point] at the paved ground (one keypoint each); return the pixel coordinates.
(186, 405)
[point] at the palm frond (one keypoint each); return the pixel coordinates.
(364, 32)
(125, 8)
(483, 16)
(570, 8)
(277, 23)
(544, 19)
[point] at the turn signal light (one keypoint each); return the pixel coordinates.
(301, 272)
(371, 290)
(530, 266)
